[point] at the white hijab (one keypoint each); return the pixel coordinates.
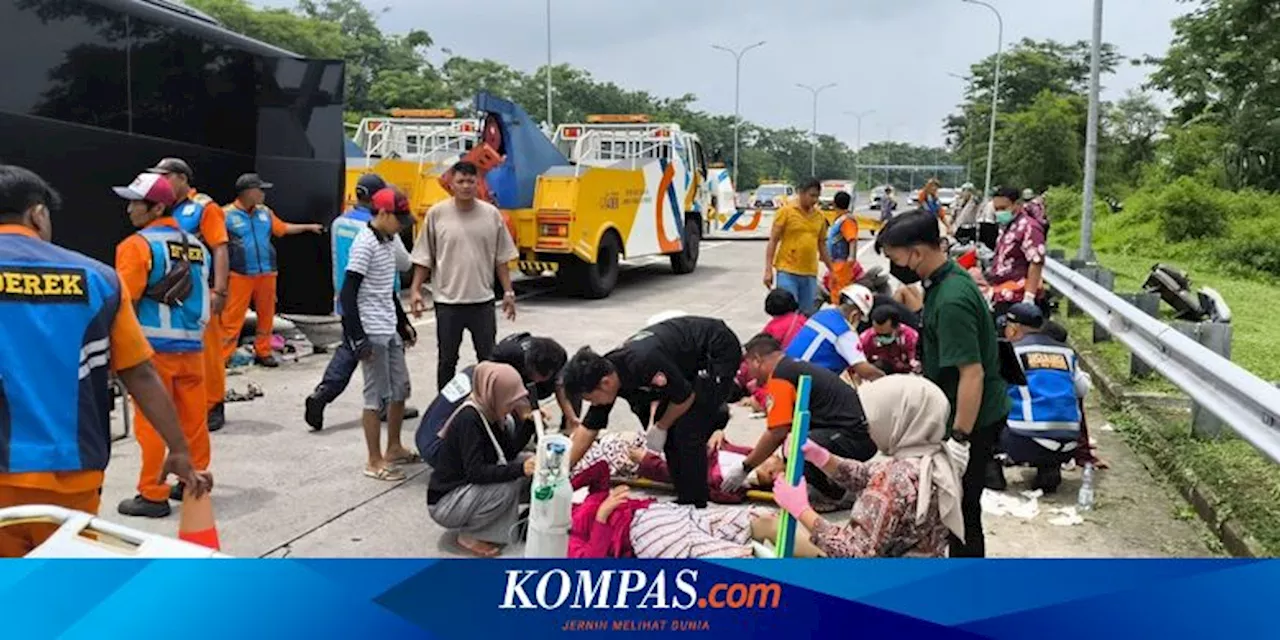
(907, 419)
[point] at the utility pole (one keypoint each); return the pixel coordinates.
(1091, 138)
(550, 120)
(995, 93)
(813, 149)
(737, 94)
(857, 149)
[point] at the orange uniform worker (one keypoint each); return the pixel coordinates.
(164, 270)
(197, 213)
(67, 324)
(842, 245)
(250, 227)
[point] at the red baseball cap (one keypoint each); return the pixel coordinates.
(391, 200)
(152, 187)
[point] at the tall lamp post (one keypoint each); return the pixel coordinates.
(813, 150)
(995, 93)
(550, 121)
(1091, 138)
(737, 94)
(857, 149)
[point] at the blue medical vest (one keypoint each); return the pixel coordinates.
(190, 213)
(815, 342)
(343, 232)
(1048, 406)
(56, 310)
(179, 328)
(249, 235)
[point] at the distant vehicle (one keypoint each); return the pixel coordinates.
(947, 197)
(742, 199)
(826, 198)
(914, 199)
(876, 194)
(772, 195)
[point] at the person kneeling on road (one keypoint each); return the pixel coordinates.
(537, 359)
(1044, 424)
(378, 331)
(344, 230)
(836, 417)
(830, 338)
(904, 506)
(687, 365)
(481, 476)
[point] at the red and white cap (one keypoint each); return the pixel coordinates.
(151, 187)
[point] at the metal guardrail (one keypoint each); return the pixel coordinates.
(1245, 402)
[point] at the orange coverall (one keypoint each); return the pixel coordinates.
(261, 291)
(213, 232)
(181, 373)
(78, 490)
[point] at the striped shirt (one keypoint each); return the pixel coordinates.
(376, 261)
(671, 531)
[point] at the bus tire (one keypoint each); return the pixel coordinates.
(687, 260)
(597, 280)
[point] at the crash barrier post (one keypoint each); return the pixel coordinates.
(1215, 336)
(1076, 264)
(1107, 279)
(1058, 254)
(786, 543)
(1244, 402)
(1148, 303)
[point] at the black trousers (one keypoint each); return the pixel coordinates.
(846, 443)
(481, 319)
(982, 445)
(686, 447)
(342, 366)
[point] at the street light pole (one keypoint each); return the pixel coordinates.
(813, 150)
(737, 94)
(550, 121)
(1091, 138)
(995, 93)
(857, 149)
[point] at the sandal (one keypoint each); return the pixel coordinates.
(387, 474)
(480, 548)
(411, 458)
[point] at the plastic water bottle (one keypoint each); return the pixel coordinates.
(1084, 502)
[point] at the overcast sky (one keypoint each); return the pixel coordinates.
(890, 56)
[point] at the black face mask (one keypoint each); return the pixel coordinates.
(905, 275)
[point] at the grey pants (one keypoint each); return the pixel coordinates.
(485, 512)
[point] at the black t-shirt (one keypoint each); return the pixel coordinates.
(467, 455)
(662, 362)
(832, 403)
(510, 350)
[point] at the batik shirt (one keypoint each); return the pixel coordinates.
(883, 521)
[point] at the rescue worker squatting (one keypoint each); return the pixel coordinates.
(164, 269)
(197, 213)
(56, 451)
(250, 227)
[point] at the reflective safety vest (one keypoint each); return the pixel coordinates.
(190, 213)
(1048, 406)
(56, 309)
(180, 328)
(344, 230)
(249, 235)
(815, 342)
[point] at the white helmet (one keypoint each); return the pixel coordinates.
(859, 296)
(663, 316)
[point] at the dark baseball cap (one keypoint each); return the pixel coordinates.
(371, 183)
(1025, 314)
(251, 181)
(173, 165)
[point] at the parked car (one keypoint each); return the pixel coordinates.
(947, 196)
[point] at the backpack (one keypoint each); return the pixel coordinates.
(837, 246)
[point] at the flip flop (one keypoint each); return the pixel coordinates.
(387, 474)
(412, 458)
(493, 553)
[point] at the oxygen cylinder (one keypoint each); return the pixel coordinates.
(551, 502)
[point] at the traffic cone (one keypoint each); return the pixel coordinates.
(196, 524)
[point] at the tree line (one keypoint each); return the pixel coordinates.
(385, 71)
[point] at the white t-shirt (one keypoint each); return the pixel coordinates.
(376, 261)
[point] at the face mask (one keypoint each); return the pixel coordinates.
(885, 341)
(1003, 218)
(905, 275)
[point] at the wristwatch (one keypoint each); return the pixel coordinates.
(959, 436)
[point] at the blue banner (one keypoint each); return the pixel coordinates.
(774, 599)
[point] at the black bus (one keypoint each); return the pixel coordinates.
(95, 91)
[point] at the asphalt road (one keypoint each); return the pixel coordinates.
(284, 490)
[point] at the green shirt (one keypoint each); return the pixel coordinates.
(958, 330)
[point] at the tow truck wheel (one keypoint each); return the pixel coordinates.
(687, 260)
(597, 280)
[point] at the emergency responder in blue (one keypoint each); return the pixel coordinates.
(343, 232)
(830, 338)
(1044, 424)
(55, 440)
(686, 364)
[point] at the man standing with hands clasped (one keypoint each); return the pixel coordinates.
(462, 245)
(959, 351)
